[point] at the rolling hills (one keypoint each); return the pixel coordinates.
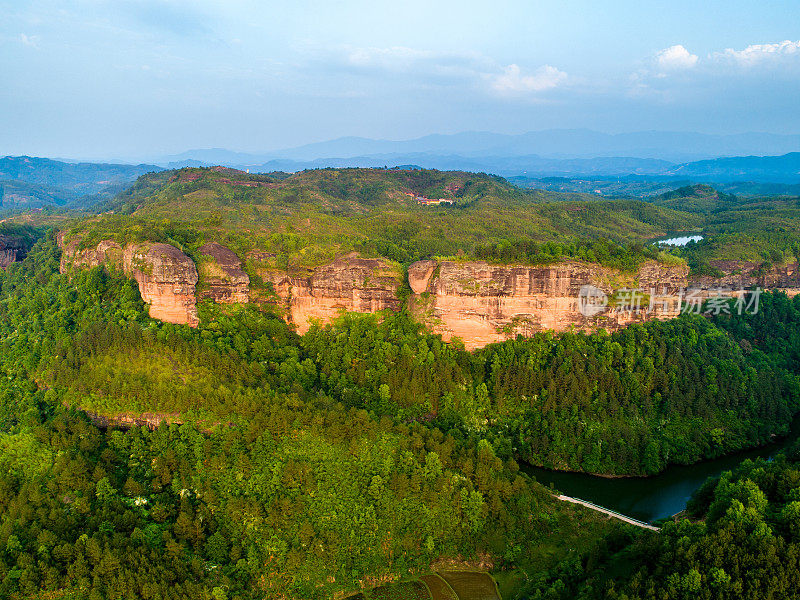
(232, 453)
(28, 182)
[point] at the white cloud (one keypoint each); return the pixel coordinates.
(760, 53)
(443, 69)
(675, 58)
(32, 41)
(512, 80)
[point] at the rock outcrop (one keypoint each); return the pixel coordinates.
(107, 252)
(167, 279)
(737, 274)
(348, 284)
(478, 302)
(128, 420)
(166, 276)
(483, 303)
(11, 250)
(221, 276)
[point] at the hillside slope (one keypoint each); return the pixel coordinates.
(30, 182)
(308, 218)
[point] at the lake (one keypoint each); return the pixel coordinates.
(656, 497)
(679, 240)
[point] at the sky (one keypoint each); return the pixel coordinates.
(143, 78)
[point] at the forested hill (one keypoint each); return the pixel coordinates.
(367, 449)
(695, 198)
(742, 540)
(336, 189)
(311, 217)
(270, 487)
(29, 182)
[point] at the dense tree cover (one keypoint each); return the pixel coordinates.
(366, 449)
(24, 234)
(277, 490)
(696, 198)
(650, 188)
(626, 257)
(630, 402)
(308, 218)
(742, 540)
(765, 231)
(643, 397)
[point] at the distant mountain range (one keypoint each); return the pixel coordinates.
(777, 169)
(772, 169)
(551, 153)
(675, 147)
(27, 182)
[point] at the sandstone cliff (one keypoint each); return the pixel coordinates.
(483, 303)
(221, 276)
(166, 276)
(349, 284)
(167, 279)
(171, 283)
(11, 250)
(476, 301)
(742, 274)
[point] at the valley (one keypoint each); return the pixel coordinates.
(387, 383)
(399, 301)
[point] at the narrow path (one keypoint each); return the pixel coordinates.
(610, 513)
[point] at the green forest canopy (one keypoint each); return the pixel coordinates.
(308, 465)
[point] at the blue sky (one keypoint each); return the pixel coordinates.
(127, 78)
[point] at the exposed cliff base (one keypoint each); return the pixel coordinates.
(481, 303)
(477, 302)
(348, 284)
(12, 250)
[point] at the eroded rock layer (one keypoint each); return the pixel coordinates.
(482, 303)
(737, 274)
(348, 284)
(11, 250)
(478, 302)
(167, 278)
(221, 275)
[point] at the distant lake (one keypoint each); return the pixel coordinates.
(680, 241)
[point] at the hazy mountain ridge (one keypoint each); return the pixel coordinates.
(673, 146)
(550, 153)
(31, 182)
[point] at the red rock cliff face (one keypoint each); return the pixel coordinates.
(107, 253)
(167, 280)
(738, 274)
(166, 276)
(475, 301)
(221, 275)
(349, 283)
(482, 303)
(11, 250)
